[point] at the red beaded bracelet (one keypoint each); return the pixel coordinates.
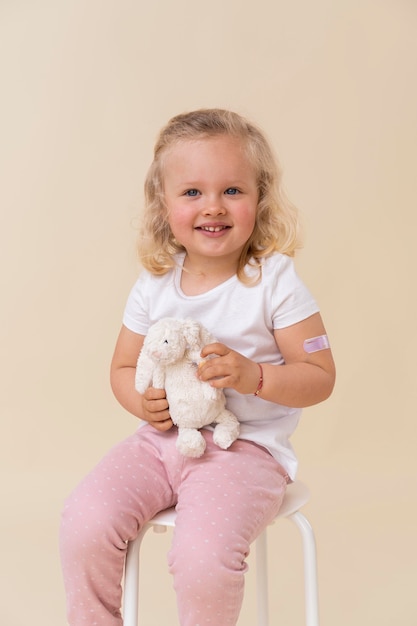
(261, 381)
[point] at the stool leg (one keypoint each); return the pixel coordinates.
(131, 581)
(310, 568)
(262, 579)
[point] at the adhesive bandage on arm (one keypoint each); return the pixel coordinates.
(316, 343)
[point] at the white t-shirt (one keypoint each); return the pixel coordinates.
(244, 318)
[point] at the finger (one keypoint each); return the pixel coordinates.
(213, 369)
(161, 416)
(156, 406)
(152, 393)
(162, 426)
(217, 348)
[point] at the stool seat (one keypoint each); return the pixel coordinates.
(296, 496)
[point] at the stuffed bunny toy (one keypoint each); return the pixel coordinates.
(169, 360)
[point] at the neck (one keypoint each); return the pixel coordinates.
(211, 266)
(199, 276)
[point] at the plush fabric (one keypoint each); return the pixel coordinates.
(169, 360)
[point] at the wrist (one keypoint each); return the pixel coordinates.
(261, 380)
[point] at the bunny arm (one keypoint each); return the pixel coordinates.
(158, 379)
(148, 373)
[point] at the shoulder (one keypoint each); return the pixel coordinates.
(291, 299)
(276, 266)
(148, 279)
(276, 260)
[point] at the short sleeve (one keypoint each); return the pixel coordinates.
(135, 316)
(292, 301)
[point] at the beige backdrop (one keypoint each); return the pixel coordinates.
(85, 86)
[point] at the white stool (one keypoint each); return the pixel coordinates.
(296, 496)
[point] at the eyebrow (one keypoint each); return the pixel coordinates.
(198, 183)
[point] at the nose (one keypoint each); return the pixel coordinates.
(214, 206)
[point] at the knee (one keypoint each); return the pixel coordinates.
(208, 565)
(77, 530)
(86, 528)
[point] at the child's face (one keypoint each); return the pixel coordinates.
(211, 194)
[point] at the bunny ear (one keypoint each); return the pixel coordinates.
(195, 334)
(191, 331)
(205, 337)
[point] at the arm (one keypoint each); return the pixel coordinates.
(303, 380)
(152, 406)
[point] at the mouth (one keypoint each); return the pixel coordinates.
(213, 229)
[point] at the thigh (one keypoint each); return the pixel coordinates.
(127, 487)
(229, 496)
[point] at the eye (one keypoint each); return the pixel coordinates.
(192, 193)
(232, 191)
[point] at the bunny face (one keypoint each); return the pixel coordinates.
(165, 341)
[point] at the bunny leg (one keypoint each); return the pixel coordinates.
(226, 430)
(190, 442)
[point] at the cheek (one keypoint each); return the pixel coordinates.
(248, 217)
(178, 220)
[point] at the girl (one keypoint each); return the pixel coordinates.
(216, 246)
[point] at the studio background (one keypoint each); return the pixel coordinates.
(85, 87)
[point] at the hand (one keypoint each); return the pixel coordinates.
(155, 409)
(229, 369)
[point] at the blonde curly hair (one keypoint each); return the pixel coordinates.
(276, 226)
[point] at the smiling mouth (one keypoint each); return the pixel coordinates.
(213, 229)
